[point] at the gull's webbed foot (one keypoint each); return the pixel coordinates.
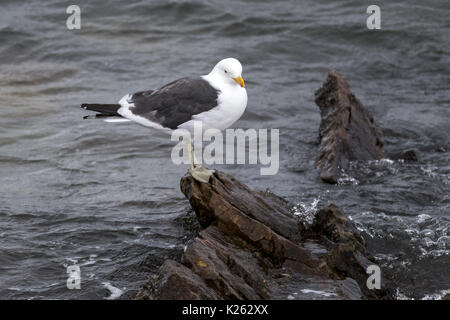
(200, 173)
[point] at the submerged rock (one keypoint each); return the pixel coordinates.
(253, 247)
(407, 155)
(347, 130)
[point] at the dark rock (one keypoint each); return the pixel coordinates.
(249, 219)
(347, 131)
(348, 256)
(408, 156)
(230, 270)
(225, 197)
(347, 261)
(252, 247)
(175, 281)
(333, 224)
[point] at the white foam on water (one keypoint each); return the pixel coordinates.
(429, 170)
(323, 293)
(346, 179)
(306, 211)
(436, 296)
(115, 292)
(423, 217)
(386, 161)
(401, 296)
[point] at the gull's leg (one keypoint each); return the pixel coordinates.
(199, 173)
(191, 156)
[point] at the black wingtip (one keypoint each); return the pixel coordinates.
(84, 106)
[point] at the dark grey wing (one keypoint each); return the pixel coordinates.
(176, 102)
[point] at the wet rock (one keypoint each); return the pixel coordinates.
(347, 256)
(224, 198)
(175, 281)
(347, 130)
(408, 155)
(347, 261)
(230, 270)
(257, 223)
(252, 247)
(333, 224)
(298, 287)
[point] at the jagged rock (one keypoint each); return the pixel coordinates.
(333, 224)
(347, 131)
(252, 247)
(348, 261)
(225, 197)
(231, 271)
(260, 224)
(347, 256)
(176, 282)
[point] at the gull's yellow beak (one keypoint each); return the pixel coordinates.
(240, 81)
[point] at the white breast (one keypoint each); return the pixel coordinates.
(231, 104)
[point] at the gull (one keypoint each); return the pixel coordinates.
(217, 100)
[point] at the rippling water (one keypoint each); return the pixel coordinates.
(107, 197)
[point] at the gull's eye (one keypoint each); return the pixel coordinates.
(225, 71)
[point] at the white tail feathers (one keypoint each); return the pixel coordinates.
(117, 120)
